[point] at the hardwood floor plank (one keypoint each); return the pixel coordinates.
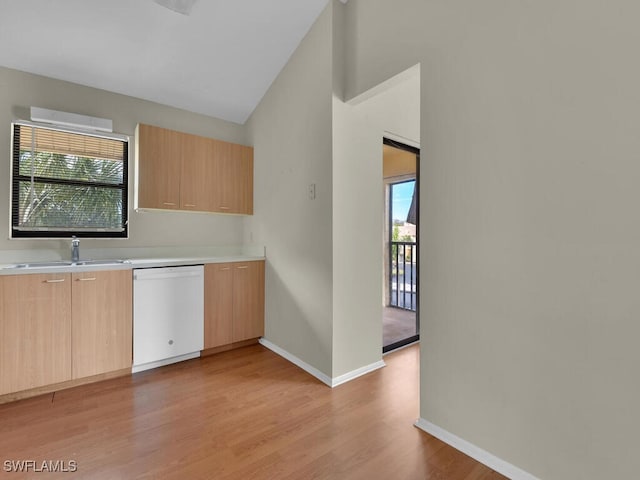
(241, 414)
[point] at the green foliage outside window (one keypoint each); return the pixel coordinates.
(60, 193)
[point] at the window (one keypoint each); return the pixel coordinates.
(67, 183)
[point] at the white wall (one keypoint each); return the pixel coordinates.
(529, 180)
(394, 106)
(21, 90)
(291, 133)
(357, 227)
(358, 215)
(324, 256)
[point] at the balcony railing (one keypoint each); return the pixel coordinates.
(403, 280)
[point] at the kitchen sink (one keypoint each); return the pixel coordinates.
(100, 262)
(66, 263)
(40, 265)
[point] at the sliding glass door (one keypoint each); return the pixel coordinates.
(400, 321)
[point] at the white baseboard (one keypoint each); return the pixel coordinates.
(339, 380)
(296, 361)
(482, 456)
(162, 363)
(331, 382)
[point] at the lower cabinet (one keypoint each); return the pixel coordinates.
(59, 327)
(35, 331)
(101, 324)
(234, 302)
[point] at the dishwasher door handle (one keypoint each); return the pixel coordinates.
(165, 275)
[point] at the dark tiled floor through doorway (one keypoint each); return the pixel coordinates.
(397, 324)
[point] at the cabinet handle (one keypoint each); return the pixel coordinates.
(88, 279)
(189, 205)
(222, 207)
(242, 268)
(169, 204)
(227, 268)
(57, 280)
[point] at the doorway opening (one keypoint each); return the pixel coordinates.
(401, 325)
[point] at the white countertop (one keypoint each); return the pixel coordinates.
(173, 262)
(135, 258)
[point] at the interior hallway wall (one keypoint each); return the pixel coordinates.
(291, 133)
(324, 266)
(358, 214)
(357, 225)
(529, 181)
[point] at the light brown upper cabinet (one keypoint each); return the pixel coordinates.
(159, 167)
(234, 172)
(197, 173)
(179, 171)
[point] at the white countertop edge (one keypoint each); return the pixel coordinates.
(175, 262)
(130, 265)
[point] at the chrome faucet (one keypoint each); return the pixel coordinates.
(75, 249)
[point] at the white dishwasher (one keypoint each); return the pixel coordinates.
(168, 315)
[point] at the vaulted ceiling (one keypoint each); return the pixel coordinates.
(219, 60)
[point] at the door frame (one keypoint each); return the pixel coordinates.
(416, 151)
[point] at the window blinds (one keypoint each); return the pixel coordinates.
(68, 182)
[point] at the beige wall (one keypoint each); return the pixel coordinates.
(357, 263)
(291, 133)
(357, 228)
(529, 198)
(358, 213)
(324, 269)
(21, 90)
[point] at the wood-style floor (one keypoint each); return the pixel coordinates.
(243, 414)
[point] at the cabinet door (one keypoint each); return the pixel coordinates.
(233, 178)
(101, 322)
(218, 304)
(242, 193)
(159, 167)
(35, 331)
(222, 180)
(248, 300)
(197, 174)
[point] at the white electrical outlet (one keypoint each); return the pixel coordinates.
(312, 191)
